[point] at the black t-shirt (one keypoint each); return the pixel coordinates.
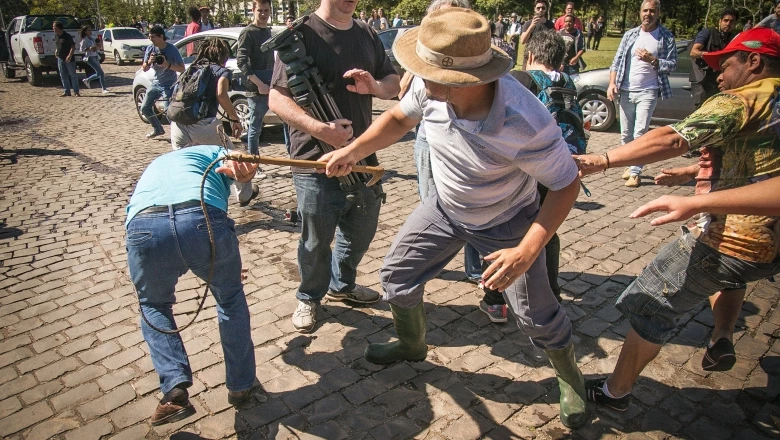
(211, 90)
(335, 52)
(539, 27)
(64, 44)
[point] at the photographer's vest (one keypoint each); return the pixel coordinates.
(700, 71)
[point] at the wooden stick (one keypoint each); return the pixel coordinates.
(376, 172)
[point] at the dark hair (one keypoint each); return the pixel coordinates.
(256, 3)
(214, 50)
(542, 1)
(83, 31)
(547, 48)
(730, 11)
(573, 18)
(194, 13)
(569, 3)
(772, 64)
(58, 25)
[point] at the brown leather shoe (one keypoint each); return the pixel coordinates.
(171, 412)
(236, 398)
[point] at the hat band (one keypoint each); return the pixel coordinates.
(450, 62)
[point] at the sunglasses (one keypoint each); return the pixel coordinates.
(541, 8)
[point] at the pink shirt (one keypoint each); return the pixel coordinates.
(577, 23)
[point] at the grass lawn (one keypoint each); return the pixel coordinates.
(595, 59)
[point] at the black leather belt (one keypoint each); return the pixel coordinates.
(176, 207)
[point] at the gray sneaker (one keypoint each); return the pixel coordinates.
(305, 316)
(360, 294)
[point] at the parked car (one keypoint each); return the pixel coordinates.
(124, 44)
(237, 93)
(175, 32)
(388, 37)
(30, 46)
(601, 112)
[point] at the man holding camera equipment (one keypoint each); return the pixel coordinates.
(350, 56)
(166, 61)
(704, 80)
(257, 66)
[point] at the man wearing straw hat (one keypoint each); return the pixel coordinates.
(491, 140)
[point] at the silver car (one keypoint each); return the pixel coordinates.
(188, 47)
(601, 112)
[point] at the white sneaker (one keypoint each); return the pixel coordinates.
(305, 316)
(360, 294)
(86, 83)
(106, 91)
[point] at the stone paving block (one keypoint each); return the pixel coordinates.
(38, 361)
(592, 327)
(13, 343)
(99, 352)
(395, 375)
(217, 426)
(9, 406)
(92, 431)
(116, 378)
(399, 427)
(123, 358)
(86, 374)
(79, 394)
(51, 427)
(23, 419)
(265, 413)
(133, 413)
(76, 346)
(107, 402)
(40, 392)
(17, 385)
(363, 391)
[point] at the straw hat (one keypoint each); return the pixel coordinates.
(452, 47)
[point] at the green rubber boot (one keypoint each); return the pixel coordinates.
(410, 346)
(573, 410)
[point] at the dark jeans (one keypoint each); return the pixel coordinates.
(596, 41)
(155, 92)
(587, 43)
(325, 212)
(552, 259)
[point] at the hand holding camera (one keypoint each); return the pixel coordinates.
(159, 59)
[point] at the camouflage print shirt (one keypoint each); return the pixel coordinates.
(738, 132)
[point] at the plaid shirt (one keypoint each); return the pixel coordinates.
(667, 58)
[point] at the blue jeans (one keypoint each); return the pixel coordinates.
(68, 76)
(683, 275)
(636, 109)
(161, 247)
(94, 63)
(155, 92)
(325, 212)
(258, 107)
(472, 263)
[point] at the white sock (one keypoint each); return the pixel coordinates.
(606, 391)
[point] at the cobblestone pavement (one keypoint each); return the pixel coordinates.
(73, 364)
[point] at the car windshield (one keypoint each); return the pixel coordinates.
(128, 34)
(45, 22)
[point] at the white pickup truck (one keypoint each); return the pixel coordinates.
(30, 46)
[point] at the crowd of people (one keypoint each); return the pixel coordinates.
(497, 174)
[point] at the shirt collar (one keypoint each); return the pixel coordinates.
(495, 119)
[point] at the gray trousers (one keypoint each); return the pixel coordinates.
(204, 132)
(429, 240)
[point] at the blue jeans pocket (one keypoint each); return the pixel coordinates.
(137, 238)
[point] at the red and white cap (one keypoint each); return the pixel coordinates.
(759, 40)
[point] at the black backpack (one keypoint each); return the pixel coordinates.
(189, 103)
(560, 98)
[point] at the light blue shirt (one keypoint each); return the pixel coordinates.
(165, 77)
(486, 171)
(175, 178)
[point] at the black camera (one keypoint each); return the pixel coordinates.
(159, 59)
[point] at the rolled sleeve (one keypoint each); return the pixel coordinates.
(412, 103)
(667, 63)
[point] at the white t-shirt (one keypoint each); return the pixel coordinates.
(641, 75)
(486, 171)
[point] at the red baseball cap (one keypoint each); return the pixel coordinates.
(758, 40)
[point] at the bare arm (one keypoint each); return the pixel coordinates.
(365, 84)
(697, 50)
(655, 145)
(335, 133)
(386, 130)
(612, 90)
(756, 199)
(527, 34)
(509, 264)
(175, 67)
(223, 85)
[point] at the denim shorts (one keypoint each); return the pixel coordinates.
(685, 273)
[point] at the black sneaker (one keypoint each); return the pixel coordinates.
(595, 391)
(153, 134)
(719, 357)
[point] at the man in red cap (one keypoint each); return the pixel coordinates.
(737, 132)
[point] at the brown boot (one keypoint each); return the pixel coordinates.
(170, 412)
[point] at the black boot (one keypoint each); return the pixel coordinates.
(410, 346)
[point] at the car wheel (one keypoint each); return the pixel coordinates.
(599, 111)
(118, 60)
(7, 72)
(242, 110)
(34, 74)
(138, 96)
